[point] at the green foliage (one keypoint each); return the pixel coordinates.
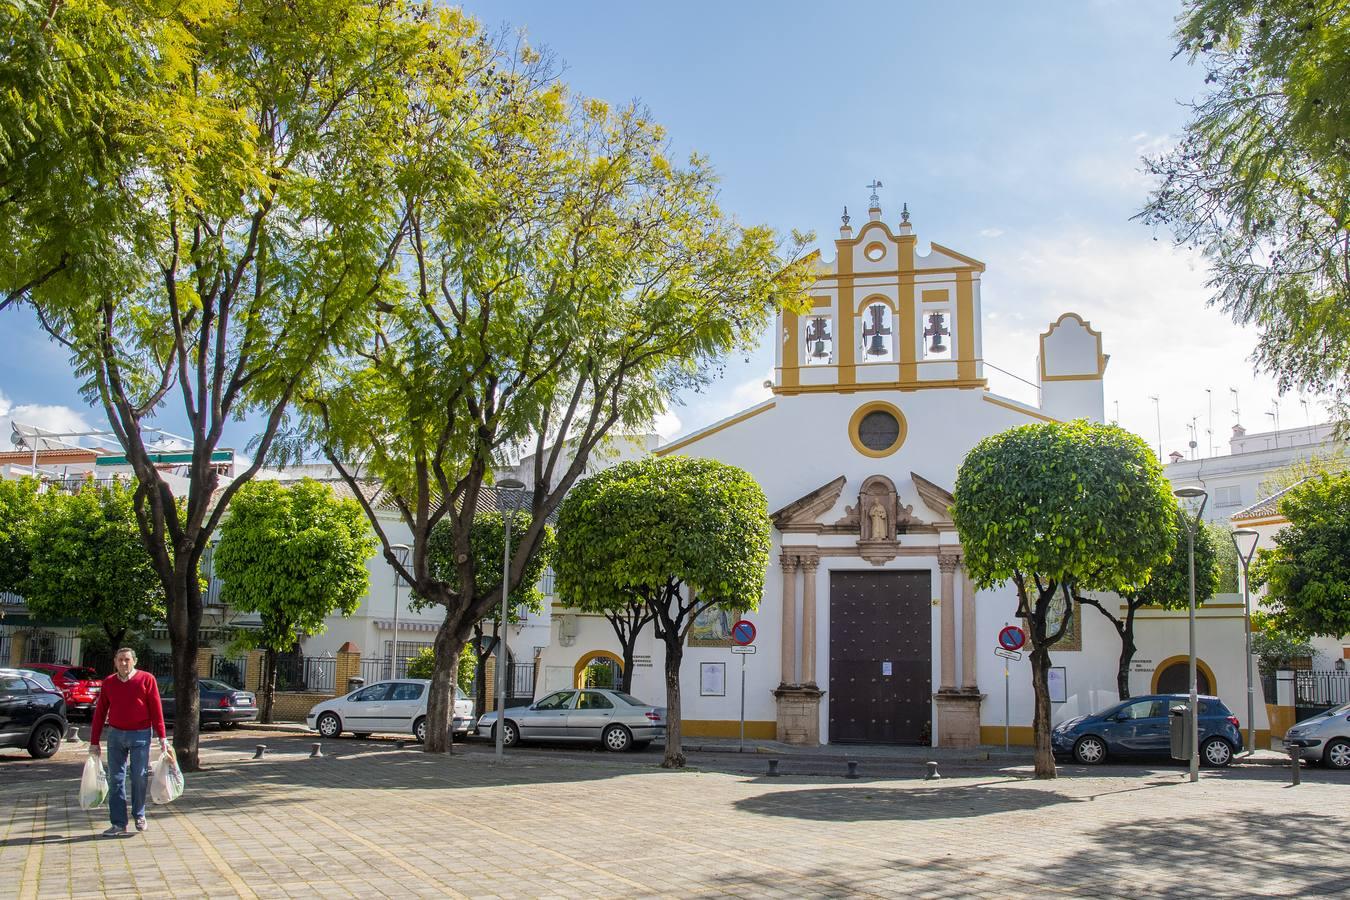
(1169, 584)
(423, 665)
(1261, 178)
(1307, 573)
(646, 523)
(1274, 648)
(88, 561)
(295, 555)
(1225, 558)
(18, 514)
(1074, 502)
(485, 540)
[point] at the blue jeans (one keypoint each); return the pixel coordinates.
(124, 745)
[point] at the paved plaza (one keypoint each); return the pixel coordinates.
(371, 819)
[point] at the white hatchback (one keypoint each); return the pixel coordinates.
(398, 706)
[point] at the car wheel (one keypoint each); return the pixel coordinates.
(329, 725)
(1337, 755)
(1090, 750)
(420, 730)
(45, 741)
(1216, 752)
(617, 739)
(510, 734)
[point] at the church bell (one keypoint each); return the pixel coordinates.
(936, 329)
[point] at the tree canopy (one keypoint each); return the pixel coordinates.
(681, 535)
(294, 555)
(1261, 178)
(87, 561)
(1307, 573)
(18, 506)
(1061, 509)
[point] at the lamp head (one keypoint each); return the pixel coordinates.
(1192, 501)
(508, 490)
(1244, 539)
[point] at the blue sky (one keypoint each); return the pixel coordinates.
(1013, 131)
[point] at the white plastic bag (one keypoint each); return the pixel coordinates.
(166, 779)
(93, 784)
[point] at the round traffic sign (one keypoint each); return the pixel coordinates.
(743, 632)
(1012, 638)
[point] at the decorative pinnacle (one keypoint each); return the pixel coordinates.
(845, 217)
(874, 199)
(904, 213)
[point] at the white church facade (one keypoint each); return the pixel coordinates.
(869, 629)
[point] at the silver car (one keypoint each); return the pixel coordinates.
(1324, 738)
(614, 719)
(398, 706)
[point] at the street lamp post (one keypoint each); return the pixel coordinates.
(1244, 539)
(1193, 507)
(393, 656)
(508, 492)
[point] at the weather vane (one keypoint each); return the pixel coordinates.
(874, 198)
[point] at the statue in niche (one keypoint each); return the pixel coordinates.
(876, 518)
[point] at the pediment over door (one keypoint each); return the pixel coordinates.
(803, 514)
(936, 498)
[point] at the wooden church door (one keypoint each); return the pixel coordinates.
(881, 657)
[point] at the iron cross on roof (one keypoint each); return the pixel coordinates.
(875, 200)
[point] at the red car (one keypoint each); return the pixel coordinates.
(80, 686)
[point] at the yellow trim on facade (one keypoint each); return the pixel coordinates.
(792, 354)
(819, 302)
(968, 260)
(1101, 357)
(845, 340)
(938, 295)
(579, 670)
(1018, 735)
(1015, 408)
(1264, 520)
(712, 429)
(875, 406)
(874, 298)
(879, 247)
(865, 386)
(965, 326)
(907, 331)
(728, 728)
(1200, 665)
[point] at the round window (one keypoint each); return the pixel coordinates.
(875, 252)
(878, 430)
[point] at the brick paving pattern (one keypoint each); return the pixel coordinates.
(371, 820)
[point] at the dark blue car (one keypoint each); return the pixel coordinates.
(1140, 727)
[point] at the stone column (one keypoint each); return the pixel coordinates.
(789, 563)
(809, 565)
(947, 562)
(969, 680)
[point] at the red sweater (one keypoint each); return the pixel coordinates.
(131, 705)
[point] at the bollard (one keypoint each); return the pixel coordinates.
(315, 752)
(773, 768)
(1295, 765)
(72, 734)
(932, 772)
(852, 769)
(259, 750)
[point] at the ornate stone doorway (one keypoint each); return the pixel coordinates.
(881, 657)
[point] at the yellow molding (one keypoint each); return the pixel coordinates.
(968, 260)
(1200, 664)
(1018, 735)
(1101, 357)
(579, 670)
(892, 273)
(936, 295)
(877, 406)
(965, 326)
(864, 386)
(1263, 520)
(726, 728)
(1015, 408)
(817, 302)
(713, 429)
(875, 245)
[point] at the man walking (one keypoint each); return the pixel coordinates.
(129, 703)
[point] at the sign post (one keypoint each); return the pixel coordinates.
(1010, 640)
(743, 636)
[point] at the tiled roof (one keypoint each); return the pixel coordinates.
(1266, 508)
(377, 498)
(69, 453)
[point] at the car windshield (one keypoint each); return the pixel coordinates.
(1338, 711)
(629, 699)
(41, 678)
(82, 675)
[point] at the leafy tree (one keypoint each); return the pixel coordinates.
(1276, 649)
(1061, 509)
(1261, 178)
(485, 542)
(1307, 573)
(1225, 558)
(1168, 587)
(569, 283)
(295, 555)
(681, 535)
(423, 663)
(88, 562)
(200, 197)
(18, 513)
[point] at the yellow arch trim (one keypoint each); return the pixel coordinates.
(1200, 665)
(876, 298)
(579, 670)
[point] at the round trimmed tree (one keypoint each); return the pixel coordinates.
(1058, 509)
(680, 535)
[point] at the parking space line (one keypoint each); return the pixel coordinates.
(218, 861)
(32, 864)
(392, 857)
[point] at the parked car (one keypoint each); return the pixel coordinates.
(80, 686)
(221, 704)
(1324, 738)
(398, 705)
(614, 719)
(32, 714)
(1140, 727)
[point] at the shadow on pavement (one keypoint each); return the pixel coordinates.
(872, 803)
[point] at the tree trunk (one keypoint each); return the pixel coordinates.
(1127, 651)
(674, 758)
(184, 609)
(269, 685)
(441, 700)
(626, 676)
(1040, 683)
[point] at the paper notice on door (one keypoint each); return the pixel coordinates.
(886, 667)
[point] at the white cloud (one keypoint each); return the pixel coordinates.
(991, 232)
(667, 425)
(47, 418)
(723, 400)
